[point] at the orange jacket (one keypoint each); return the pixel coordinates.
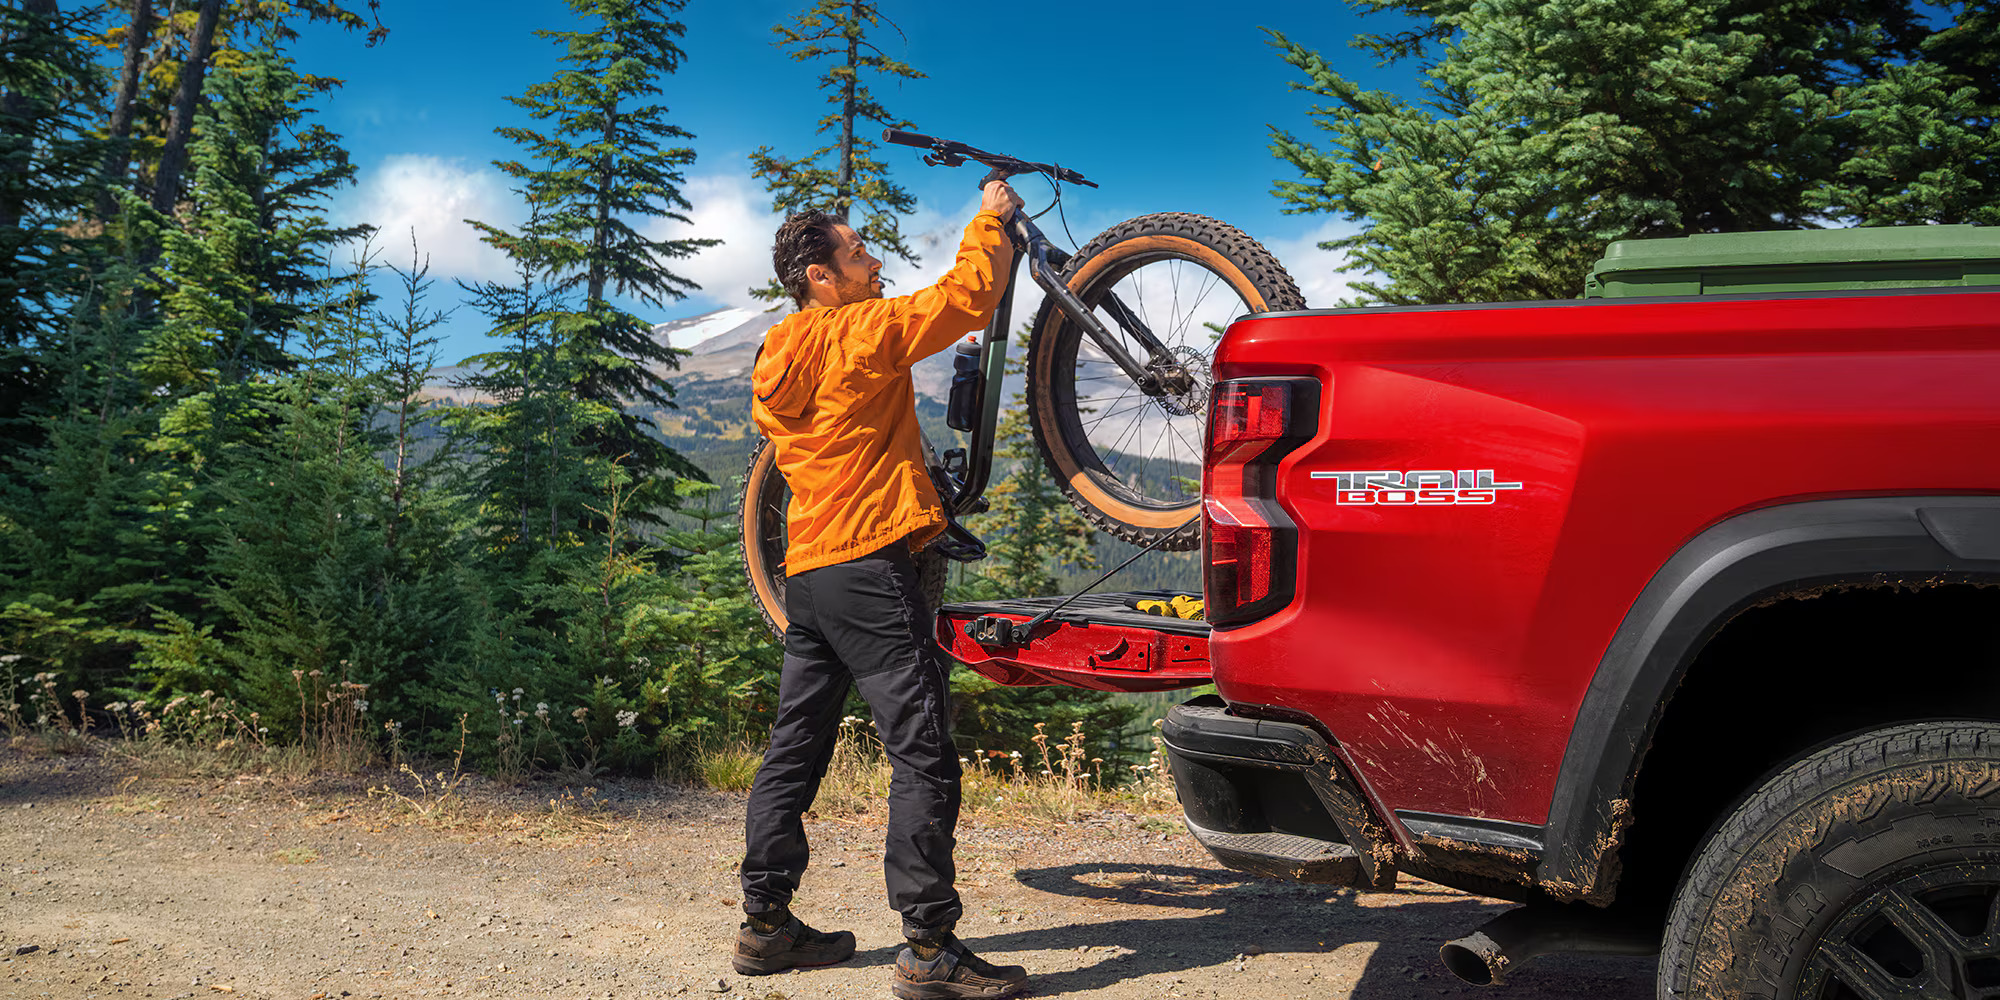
(833, 393)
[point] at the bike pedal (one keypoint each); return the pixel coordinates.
(958, 544)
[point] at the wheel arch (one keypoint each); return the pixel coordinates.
(1738, 564)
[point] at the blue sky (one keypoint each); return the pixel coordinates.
(1166, 104)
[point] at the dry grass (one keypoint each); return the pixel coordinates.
(1054, 782)
(209, 736)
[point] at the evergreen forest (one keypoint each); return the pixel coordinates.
(223, 485)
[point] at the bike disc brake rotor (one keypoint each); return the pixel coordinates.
(1190, 369)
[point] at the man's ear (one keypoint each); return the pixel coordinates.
(817, 274)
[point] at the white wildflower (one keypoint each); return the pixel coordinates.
(628, 719)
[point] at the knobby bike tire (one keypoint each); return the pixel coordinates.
(1081, 468)
(765, 500)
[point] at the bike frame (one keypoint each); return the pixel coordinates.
(1155, 376)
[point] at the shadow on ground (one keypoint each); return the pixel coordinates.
(1240, 914)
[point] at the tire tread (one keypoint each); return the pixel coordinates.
(1800, 798)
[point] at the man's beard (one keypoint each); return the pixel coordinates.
(855, 291)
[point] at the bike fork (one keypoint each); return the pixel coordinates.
(1147, 375)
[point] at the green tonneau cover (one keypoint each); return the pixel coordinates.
(1812, 260)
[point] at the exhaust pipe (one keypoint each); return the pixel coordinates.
(1516, 937)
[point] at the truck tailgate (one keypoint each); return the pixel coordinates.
(1099, 641)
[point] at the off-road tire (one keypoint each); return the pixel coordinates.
(1218, 247)
(1867, 869)
(765, 497)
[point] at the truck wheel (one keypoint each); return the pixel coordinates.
(1869, 869)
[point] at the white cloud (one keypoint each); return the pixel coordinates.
(434, 195)
(1320, 274)
(732, 208)
(735, 209)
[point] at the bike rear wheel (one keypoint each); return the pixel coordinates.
(766, 499)
(1129, 461)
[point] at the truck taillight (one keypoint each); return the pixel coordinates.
(1251, 546)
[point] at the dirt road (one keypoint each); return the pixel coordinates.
(119, 885)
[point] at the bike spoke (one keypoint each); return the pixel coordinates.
(1209, 287)
(1149, 444)
(1174, 426)
(1109, 413)
(1122, 438)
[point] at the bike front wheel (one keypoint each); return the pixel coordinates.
(1128, 459)
(766, 500)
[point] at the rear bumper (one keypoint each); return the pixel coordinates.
(1272, 799)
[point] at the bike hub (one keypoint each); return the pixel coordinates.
(1183, 383)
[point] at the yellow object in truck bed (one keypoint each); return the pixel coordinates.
(1180, 606)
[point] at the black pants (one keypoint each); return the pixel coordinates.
(862, 622)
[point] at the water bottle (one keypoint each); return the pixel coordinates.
(961, 410)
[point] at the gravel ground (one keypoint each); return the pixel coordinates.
(120, 884)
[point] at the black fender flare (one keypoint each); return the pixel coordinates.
(1727, 568)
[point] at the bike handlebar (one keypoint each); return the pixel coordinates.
(949, 153)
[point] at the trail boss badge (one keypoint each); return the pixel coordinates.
(1429, 488)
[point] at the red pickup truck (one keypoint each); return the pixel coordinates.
(1671, 612)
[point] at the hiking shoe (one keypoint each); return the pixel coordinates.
(792, 946)
(955, 972)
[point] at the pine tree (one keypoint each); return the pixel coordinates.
(843, 176)
(48, 89)
(1549, 129)
(244, 267)
(537, 478)
(603, 167)
(166, 64)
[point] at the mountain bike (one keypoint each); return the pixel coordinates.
(1118, 376)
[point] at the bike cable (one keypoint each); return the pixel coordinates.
(1025, 630)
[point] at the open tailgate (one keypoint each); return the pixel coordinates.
(1099, 641)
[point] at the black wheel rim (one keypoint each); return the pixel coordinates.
(1933, 935)
(1145, 450)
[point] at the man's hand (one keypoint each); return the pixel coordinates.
(999, 197)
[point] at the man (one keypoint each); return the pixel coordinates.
(833, 394)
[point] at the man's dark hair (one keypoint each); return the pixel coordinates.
(805, 239)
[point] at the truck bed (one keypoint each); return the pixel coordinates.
(1099, 641)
